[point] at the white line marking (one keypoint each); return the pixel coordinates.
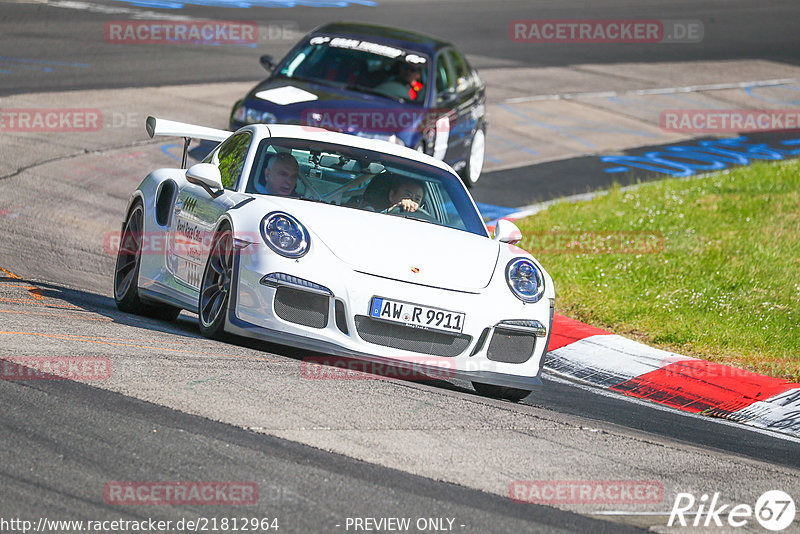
(114, 10)
(656, 91)
(623, 512)
(533, 209)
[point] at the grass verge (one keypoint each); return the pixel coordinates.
(707, 267)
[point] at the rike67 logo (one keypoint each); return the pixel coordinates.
(774, 511)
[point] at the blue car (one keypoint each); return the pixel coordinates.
(377, 82)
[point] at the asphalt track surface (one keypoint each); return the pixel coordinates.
(586, 174)
(82, 437)
(68, 38)
(62, 441)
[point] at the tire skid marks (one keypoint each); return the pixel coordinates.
(36, 297)
(111, 341)
(60, 315)
(34, 293)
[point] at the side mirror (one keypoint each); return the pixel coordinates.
(267, 62)
(506, 231)
(448, 97)
(207, 176)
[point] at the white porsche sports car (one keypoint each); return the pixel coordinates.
(336, 264)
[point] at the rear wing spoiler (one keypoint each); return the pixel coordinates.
(163, 127)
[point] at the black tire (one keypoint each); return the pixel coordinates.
(126, 271)
(477, 150)
(215, 285)
(501, 392)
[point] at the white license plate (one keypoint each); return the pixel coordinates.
(416, 315)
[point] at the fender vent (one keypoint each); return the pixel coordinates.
(164, 202)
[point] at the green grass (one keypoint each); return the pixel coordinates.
(711, 268)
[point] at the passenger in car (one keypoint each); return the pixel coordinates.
(406, 194)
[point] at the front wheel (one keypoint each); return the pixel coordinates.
(474, 167)
(501, 392)
(216, 285)
(126, 271)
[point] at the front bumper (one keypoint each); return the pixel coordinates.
(476, 357)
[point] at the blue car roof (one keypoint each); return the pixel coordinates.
(385, 34)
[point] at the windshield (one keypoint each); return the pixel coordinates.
(364, 180)
(361, 66)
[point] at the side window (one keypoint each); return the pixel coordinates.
(461, 71)
(444, 80)
(231, 156)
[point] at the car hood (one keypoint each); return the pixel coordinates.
(308, 103)
(401, 249)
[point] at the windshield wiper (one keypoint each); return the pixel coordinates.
(312, 200)
(317, 81)
(371, 91)
(411, 217)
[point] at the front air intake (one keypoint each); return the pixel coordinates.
(511, 346)
(412, 339)
(301, 307)
(340, 317)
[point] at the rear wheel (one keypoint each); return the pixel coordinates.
(477, 150)
(501, 392)
(126, 271)
(216, 285)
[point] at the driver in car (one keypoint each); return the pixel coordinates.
(280, 176)
(406, 84)
(406, 194)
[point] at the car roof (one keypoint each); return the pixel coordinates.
(385, 34)
(320, 134)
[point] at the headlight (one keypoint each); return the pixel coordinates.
(525, 280)
(253, 116)
(284, 234)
